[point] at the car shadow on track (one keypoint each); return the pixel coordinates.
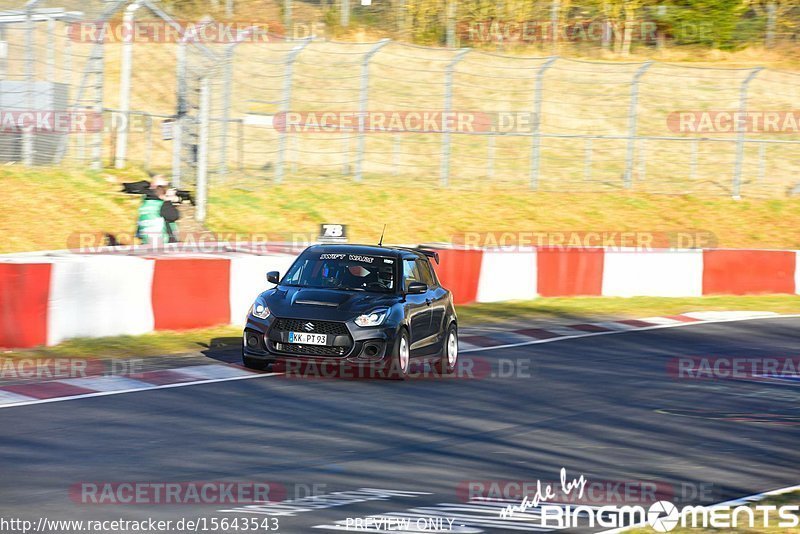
(224, 349)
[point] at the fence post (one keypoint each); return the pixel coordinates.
(3, 57)
(632, 119)
(66, 57)
(285, 101)
(362, 105)
(227, 69)
(125, 83)
(148, 140)
(555, 8)
(181, 104)
(537, 121)
(98, 59)
(51, 49)
(344, 13)
(451, 8)
(740, 131)
(66, 77)
(202, 151)
(95, 68)
(227, 58)
(180, 111)
(288, 30)
(30, 79)
(444, 172)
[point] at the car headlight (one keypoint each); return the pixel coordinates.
(373, 318)
(259, 309)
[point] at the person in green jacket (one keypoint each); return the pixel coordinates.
(158, 216)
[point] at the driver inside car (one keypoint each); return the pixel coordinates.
(386, 276)
(358, 277)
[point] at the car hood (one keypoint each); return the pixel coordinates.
(324, 304)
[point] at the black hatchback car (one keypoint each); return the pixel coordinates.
(355, 305)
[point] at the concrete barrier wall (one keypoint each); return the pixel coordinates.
(47, 299)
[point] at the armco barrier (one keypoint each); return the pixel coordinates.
(459, 270)
(797, 273)
(248, 279)
(24, 290)
(657, 274)
(49, 298)
(566, 272)
(742, 272)
(191, 292)
(95, 296)
(506, 276)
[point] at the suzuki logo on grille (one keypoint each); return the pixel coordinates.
(308, 327)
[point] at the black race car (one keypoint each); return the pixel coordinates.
(372, 307)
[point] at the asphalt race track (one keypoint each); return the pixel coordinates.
(605, 407)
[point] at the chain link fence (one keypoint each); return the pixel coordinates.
(258, 108)
(546, 123)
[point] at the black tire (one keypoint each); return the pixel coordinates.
(397, 369)
(446, 364)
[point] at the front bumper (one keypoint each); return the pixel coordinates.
(267, 340)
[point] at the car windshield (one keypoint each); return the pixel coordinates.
(354, 272)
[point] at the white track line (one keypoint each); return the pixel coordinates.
(149, 388)
(478, 349)
(734, 502)
(642, 329)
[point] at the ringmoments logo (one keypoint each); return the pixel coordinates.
(662, 516)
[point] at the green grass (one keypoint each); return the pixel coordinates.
(562, 309)
(44, 207)
(577, 308)
(152, 344)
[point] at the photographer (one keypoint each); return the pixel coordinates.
(158, 214)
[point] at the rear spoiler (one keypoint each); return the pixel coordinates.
(429, 253)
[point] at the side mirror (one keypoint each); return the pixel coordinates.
(415, 288)
(273, 277)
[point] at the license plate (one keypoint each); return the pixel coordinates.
(308, 339)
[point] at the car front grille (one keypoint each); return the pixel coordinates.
(341, 343)
(311, 350)
(320, 327)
